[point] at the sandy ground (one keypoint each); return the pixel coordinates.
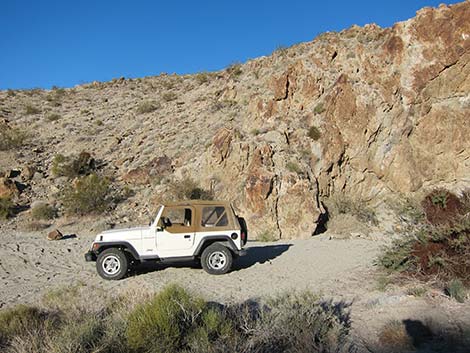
(342, 270)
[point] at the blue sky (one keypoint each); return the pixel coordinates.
(63, 43)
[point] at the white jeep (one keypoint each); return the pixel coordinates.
(207, 231)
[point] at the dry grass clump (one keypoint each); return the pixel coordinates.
(188, 189)
(6, 207)
(89, 194)
(173, 320)
(43, 211)
(31, 109)
(342, 204)
(437, 248)
(314, 133)
(11, 137)
(73, 166)
(147, 107)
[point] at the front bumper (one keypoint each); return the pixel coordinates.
(90, 256)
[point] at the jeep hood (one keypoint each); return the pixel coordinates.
(122, 234)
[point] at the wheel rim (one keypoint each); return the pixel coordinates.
(111, 265)
(217, 260)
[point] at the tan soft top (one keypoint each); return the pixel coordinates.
(197, 203)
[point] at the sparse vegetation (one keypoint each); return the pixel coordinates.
(73, 166)
(202, 77)
(266, 236)
(436, 248)
(31, 109)
(169, 96)
(174, 320)
(53, 117)
(319, 108)
(455, 289)
(89, 194)
(188, 189)
(235, 69)
(314, 133)
(6, 207)
(147, 107)
(344, 204)
(11, 137)
(293, 167)
(43, 211)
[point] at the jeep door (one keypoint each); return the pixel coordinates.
(175, 232)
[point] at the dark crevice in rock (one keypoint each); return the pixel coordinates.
(335, 54)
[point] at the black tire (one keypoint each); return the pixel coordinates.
(112, 264)
(216, 259)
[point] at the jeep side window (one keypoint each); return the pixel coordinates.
(214, 217)
(178, 216)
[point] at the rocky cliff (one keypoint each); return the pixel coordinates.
(367, 112)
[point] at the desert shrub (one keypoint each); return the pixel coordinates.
(188, 189)
(300, 322)
(202, 77)
(165, 322)
(456, 289)
(293, 167)
(437, 248)
(314, 133)
(6, 207)
(266, 236)
(73, 166)
(235, 69)
(89, 194)
(11, 137)
(31, 109)
(344, 204)
(441, 207)
(169, 96)
(319, 108)
(43, 211)
(53, 117)
(19, 321)
(393, 335)
(147, 107)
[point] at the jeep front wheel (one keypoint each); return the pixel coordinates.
(216, 259)
(112, 264)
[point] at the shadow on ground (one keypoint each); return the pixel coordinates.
(254, 254)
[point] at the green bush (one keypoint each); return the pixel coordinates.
(6, 207)
(314, 133)
(73, 166)
(266, 236)
(43, 211)
(89, 194)
(11, 137)
(147, 107)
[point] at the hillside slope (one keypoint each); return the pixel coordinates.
(367, 112)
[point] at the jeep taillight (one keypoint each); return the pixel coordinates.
(95, 246)
(243, 236)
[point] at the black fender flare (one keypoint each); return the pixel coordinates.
(117, 244)
(222, 239)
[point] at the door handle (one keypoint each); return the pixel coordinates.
(187, 236)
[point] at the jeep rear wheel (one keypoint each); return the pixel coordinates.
(216, 259)
(112, 264)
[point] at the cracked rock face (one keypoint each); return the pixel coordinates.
(368, 112)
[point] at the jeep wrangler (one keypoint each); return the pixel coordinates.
(206, 231)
